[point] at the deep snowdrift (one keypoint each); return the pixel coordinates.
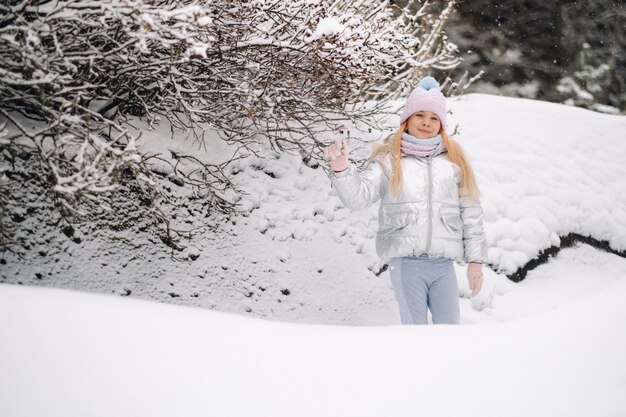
(72, 354)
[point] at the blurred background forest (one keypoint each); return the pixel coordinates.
(570, 52)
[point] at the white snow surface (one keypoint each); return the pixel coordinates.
(72, 354)
(327, 26)
(321, 336)
(546, 171)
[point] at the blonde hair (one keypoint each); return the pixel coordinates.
(391, 147)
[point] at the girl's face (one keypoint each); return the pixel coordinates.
(424, 125)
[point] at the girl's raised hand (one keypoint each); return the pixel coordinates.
(337, 155)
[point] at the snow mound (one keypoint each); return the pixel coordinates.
(121, 357)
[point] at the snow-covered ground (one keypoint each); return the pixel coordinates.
(552, 345)
(72, 354)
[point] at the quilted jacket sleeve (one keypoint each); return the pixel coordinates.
(474, 238)
(358, 190)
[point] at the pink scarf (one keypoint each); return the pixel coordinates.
(417, 150)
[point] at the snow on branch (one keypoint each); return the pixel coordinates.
(283, 72)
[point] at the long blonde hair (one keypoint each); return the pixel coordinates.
(391, 146)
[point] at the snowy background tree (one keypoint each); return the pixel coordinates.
(561, 51)
(77, 77)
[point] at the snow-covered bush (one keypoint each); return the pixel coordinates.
(75, 75)
(581, 88)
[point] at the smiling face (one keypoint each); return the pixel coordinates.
(424, 125)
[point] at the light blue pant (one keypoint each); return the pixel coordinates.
(424, 282)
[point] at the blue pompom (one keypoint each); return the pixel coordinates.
(428, 83)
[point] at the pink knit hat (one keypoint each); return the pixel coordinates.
(426, 97)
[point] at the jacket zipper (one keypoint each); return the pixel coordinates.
(430, 214)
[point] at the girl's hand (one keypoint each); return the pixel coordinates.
(337, 155)
(475, 277)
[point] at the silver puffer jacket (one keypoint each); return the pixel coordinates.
(429, 217)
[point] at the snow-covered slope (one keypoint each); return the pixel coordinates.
(546, 170)
(67, 354)
(552, 345)
(298, 255)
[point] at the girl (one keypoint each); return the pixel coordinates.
(429, 215)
